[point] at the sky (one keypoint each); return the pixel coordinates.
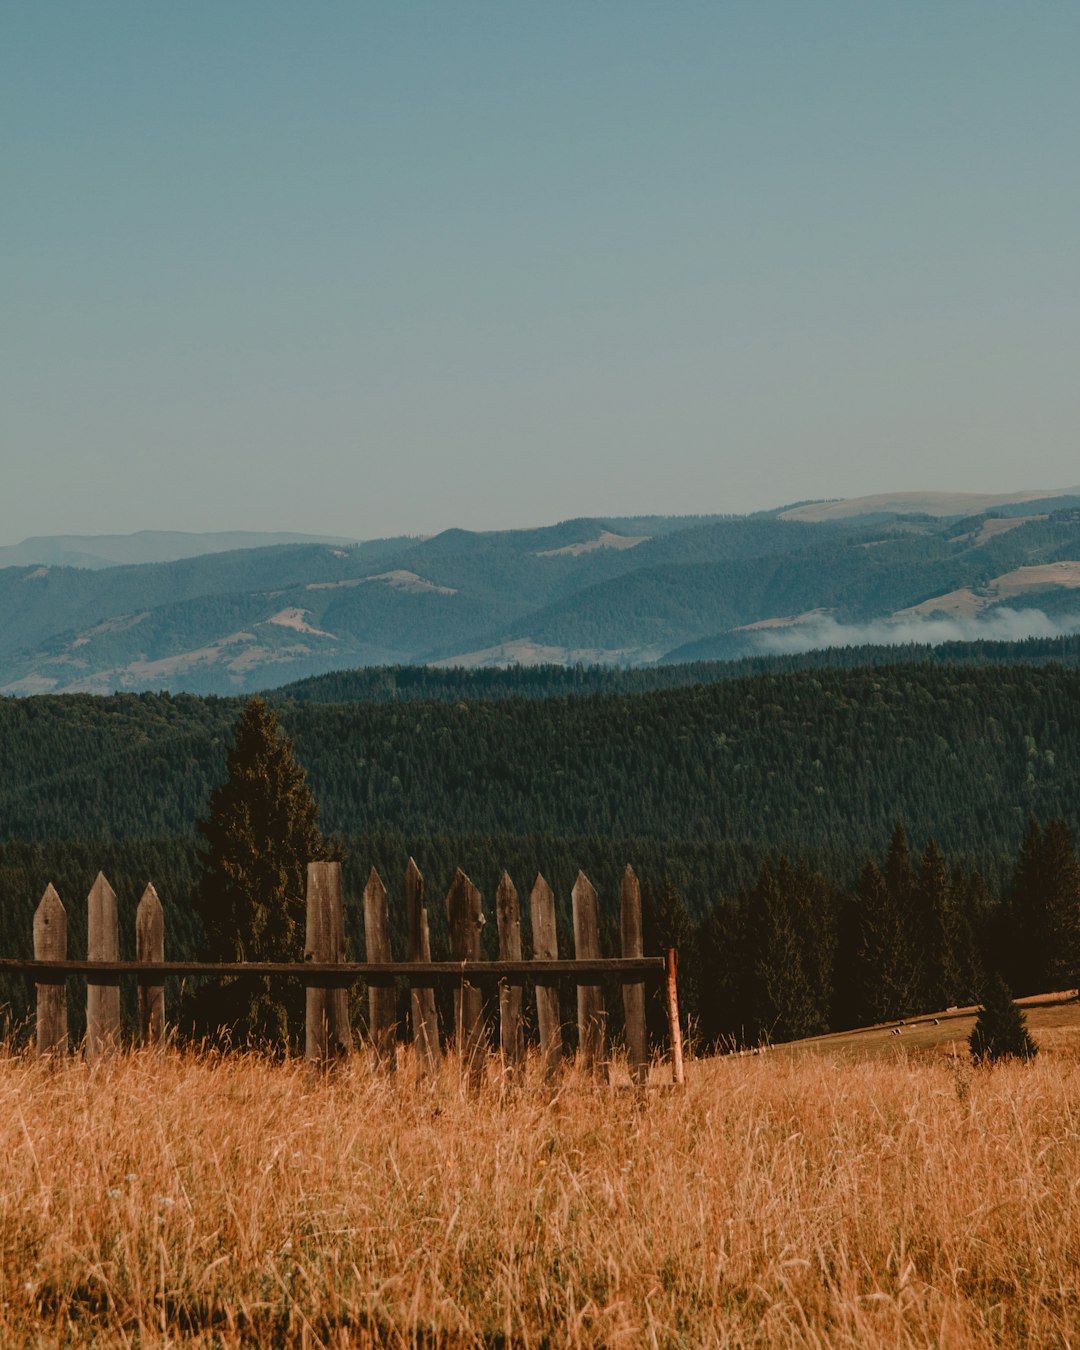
(369, 269)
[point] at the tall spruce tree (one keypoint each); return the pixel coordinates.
(1000, 1030)
(941, 976)
(259, 835)
(785, 998)
(1061, 908)
(1026, 956)
(885, 972)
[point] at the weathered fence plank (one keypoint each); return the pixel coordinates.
(327, 1034)
(150, 947)
(103, 995)
(465, 917)
(425, 1021)
(50, 944)
(634, 994)
(546, 948)
(382, 998)
(590, 997)
(511, 1032)
(674, 1026)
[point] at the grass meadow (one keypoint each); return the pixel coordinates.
(895, 1198)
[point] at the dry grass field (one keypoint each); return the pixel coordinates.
(811, 1199)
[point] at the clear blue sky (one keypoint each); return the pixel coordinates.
(370, 268)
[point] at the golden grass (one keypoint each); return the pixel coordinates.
(776, 1201)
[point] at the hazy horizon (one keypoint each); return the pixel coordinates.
(365, 271)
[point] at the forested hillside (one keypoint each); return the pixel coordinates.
(822, 761)
(697, 787)
(410, 684)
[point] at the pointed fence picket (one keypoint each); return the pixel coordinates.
(150, 949)
(425, 1021)
(50, 944)
(327, 975)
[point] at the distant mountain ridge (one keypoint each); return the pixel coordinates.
(613, 590)
(145, 546)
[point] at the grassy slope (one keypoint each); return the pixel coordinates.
(814, 1202)
(1053, 1020)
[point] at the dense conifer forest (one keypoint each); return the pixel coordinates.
(760, 812)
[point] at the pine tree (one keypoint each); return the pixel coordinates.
(1061, 908)
(942, 932)
(783, 997)
(886, 976)
(666, 923)
(1026, 913)
(1001, 1028)
(260, 833)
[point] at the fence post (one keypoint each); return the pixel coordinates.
(103, 996)
(150, 947)
(590, 997)
(674, 1029)
(633, 994)
(546, 948)
(326, 1033)
(465, 917)
(425, 1022)
(50, 944)
(382, 998)
(508, 915)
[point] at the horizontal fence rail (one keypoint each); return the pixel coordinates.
(327, 975)
(349, 972)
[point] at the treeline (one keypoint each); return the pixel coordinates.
(794, 949)
(794, 954)
(819, 762)
(411, 684)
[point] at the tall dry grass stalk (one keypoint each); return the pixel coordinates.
(233, 1201)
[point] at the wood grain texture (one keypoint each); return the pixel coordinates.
(327, 1034)
(150, 947)
(590, 997)
(633, 995)
(511, 1031)
(382, 999)
(102, 993)
(465, 918)
(50, 944)
(425, 1020)
(546, 948)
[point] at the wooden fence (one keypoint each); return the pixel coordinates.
(327, 975)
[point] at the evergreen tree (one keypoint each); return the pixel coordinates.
(1026, 917)
(721, 1004)
(1060, 909)
(940, 985)
(1000, 1030)
(260, 833)
(784, 997)
(666, 922)
(886, 976)
(1045, 909)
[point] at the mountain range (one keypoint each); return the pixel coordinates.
(616, 590)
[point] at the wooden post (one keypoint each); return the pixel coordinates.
(546, 948)
(425, 1021)
(50, 944)
(674, 1030)
(511, 1035)
(465, 916)
(327, 1035)
(102, 996)
(634, 994)
(590, 997)
(150, 946)
(382, 998)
